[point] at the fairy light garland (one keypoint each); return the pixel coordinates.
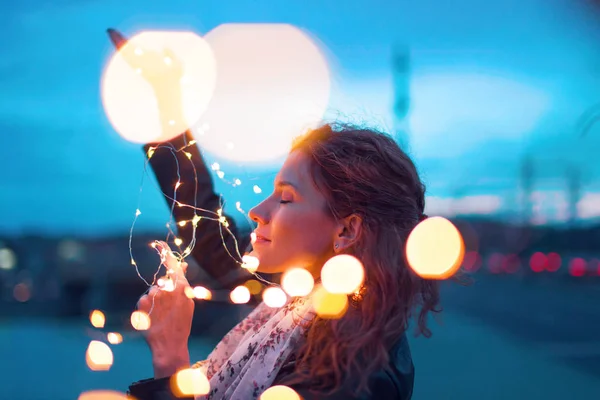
(213, 216)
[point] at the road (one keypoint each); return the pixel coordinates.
(497, 339)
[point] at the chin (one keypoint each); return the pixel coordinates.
(269, 269)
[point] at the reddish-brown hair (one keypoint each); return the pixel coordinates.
(364, 172)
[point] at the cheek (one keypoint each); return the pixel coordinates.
(304, 232)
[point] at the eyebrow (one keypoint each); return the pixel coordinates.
(286, 183)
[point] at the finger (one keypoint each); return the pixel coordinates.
(173, 264)
(148, 298)
(117, 39)
(169, 53)
(143, 303)
(120, 42)
(153, 292)
(162, 247)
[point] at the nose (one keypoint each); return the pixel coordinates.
(259, 214)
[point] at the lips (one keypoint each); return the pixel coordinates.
(258, 238)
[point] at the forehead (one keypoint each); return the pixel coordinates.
(296, 170)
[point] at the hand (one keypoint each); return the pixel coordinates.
(171, 313)
(163, 71)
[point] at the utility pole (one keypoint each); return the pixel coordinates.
(573, 175)
(401, 63)
(527, 178)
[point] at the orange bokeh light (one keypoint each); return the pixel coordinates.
(169, 59)
(435, 248)
(273, 84)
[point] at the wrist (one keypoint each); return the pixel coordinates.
(171, 363)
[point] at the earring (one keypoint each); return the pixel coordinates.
(336, 245)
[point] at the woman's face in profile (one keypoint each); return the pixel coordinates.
(294, 228)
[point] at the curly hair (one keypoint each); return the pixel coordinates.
(364, 172)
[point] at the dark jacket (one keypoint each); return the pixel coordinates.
(393, 384)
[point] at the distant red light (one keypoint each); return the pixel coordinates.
(511, 263)
(577, 267)
(595, 265)
(538, 262)
(495, 263)
(554, 262)
(472, 261)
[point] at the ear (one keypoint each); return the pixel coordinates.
(347, 233)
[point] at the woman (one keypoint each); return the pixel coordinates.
(342, 190)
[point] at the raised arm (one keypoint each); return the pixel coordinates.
(215, 248)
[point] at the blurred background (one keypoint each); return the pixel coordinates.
(496, 101)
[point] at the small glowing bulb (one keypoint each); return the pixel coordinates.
(97, 319)
(329, 305)
(257, 189)
(177, 185)
(192, 142)
(153, 245)
(222, 220)
(279, 392)
(191, 382)
(99, 356)
(168, 285)
(202, 293)
(151, 151)
(133, 262)
(253, 286)
(297, 282)
(274, 297)
(138, 212)
(220, 212)
(240, 295)
(220, 174)
(188, 154)
(250, 263)
(140, 320)
(189, 292)
(237, 181)
(196, 219)
(215, 166)
(182, 223)
(178, 241)
(342, 274)
(114, 338)
(102, 395)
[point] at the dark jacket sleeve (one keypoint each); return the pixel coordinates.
(393, 383)
(215, 254)
(154, 389)
(381, 385)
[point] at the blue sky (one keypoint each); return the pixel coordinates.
(491, 80)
